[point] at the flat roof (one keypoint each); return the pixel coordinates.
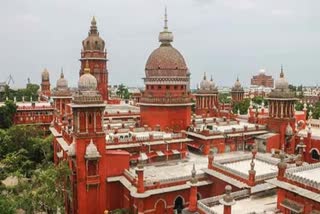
(266, 204)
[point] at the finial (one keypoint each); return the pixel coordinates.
(211, 79)
(204, 76)
(93, 21)
(281, 73)
(165, 18)
(61, 74)
(87, 68)
(237, 78)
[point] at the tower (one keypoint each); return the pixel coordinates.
(207, 101)
(281, 111)
(94, 52)
(166, 100)
(61, 96)
(88, 157)
(237, 92)
(45, 85)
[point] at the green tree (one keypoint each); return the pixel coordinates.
(7, 112)
(123, 92)
(241, 106)
(224, 98)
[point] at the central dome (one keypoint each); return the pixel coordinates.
(165, 60)
(168, 60)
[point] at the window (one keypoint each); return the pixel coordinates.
(167, 87)
(175, 87)
(315, 155)
(90, 119)
(159, 86)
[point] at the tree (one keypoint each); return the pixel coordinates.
(224, 98)
(241, 106)
(7, 113)
(123, 92)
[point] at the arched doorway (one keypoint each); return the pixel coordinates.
(160, 207)
(178, 205)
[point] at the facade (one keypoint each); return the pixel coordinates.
(94, 52)
(166, 101)
(262, 80)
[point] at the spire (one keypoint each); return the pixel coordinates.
(211, 79)
(165, 37)
(165, 19)
(93, 27)
(281, 73)
(204, 76)
(61, 74)
(87, 68)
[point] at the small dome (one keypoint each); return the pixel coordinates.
(92, 151)
(62, 83)
(206, 85)
(93, 41)
(45, 75)
(87, 81)
(237, 86)
(281, 83)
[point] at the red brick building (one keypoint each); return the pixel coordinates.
(45, 91)
(262, 80)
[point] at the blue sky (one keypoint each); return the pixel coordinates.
(225, 38)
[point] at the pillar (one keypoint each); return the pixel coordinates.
(140, 172)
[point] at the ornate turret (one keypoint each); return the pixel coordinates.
(237, 92)
(281, 111)
(94, 57)
(45, 92)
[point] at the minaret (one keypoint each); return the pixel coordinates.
(89, 158)
(93, 51)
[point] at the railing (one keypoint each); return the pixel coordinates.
(173, 180)
(311, 183)
(227, 169)
(206, 204)
(166, 100)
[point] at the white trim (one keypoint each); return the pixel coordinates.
(183, 201)
(317, 150)
(160, 199)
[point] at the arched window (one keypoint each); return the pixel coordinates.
(160, 207)
(315, 155)
(178, 204)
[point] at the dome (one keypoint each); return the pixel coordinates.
(45, 75)
(207, 85)
(87, 81)
(281, 83)
(237, 86)
(92, 151)
(93, 41)
(62, 83)
(166, 60)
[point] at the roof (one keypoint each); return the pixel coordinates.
(295, 189)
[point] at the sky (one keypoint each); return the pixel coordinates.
(224, 38)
